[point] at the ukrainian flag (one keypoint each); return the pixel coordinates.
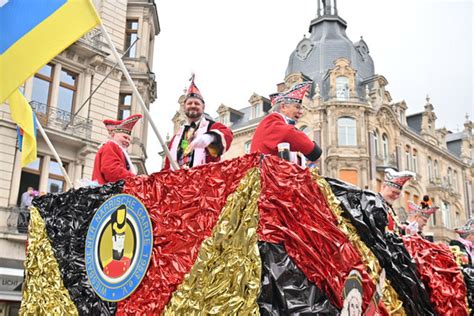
(32, 33)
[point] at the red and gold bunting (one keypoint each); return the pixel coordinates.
(391, 301)
(184, 207)
(225, 279)
(294, 211)
(440, 274)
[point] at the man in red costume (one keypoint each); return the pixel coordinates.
(120, 263)
(278, 127)
(200, 140)
(390, 192)
(112, 162)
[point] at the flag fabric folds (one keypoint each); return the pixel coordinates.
(23, 116)
(33, 33)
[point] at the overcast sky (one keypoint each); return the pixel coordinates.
(240, 47)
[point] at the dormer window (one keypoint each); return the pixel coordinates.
(257, 110)
(342, 88)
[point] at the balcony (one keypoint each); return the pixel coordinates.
(383, 162)
(94, 38)
(62, 121)
(14, 222)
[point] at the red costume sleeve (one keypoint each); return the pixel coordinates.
(223, 135)
(110, 164)
(167, 161)
(273, 130)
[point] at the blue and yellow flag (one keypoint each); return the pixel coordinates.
(33, 33)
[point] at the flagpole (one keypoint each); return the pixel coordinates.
(173, 164)
(55, 153)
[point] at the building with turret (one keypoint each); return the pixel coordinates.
(362, 131)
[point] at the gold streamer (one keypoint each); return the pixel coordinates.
(389, 295)
(44, 292)
(225, 279)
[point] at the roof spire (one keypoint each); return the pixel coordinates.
(329, 7)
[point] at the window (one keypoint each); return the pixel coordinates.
(415, 160)
(131, 34)
(342, 88)
(42, 86)
(247, 147)
(455, 180)
(67, 91)
(256, 110)
(436, 169)
(385, 146)
(457, 219)
(408, 157)
(430, 169)
(446, 217)
(55, 178)
(376, 142)
(450, 177)
(30, 177)
(346, 131)
(125, 105)
(351, 176)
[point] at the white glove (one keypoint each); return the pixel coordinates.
(412, 228)
(202, 141)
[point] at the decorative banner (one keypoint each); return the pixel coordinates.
(118, 247)
(247, 235)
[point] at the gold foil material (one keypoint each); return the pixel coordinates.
(225, 279)
(389, 296)
(43, 291)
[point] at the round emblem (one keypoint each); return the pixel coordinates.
(118, 247)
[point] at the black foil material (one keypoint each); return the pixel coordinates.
(468, 273)
(285, 290)
(67, 217)
(367, 212)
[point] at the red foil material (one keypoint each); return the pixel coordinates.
(184, 207)
(440, 274)
(293, 211)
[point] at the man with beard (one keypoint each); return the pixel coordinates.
(200, 140)
(277, 131)
(112, 162)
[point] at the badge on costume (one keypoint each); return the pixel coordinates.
(119, 244)
(352, 305)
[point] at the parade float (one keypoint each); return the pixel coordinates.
(251, 235)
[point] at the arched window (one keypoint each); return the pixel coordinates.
(342, 88)
(247, 146)
(408, 157)
(376, 142)
(306, 129)
(385, 146)
(346, 127)
(436, 169)
(446, 214)
(430, 169)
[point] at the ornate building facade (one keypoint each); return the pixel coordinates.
(59, 95)
(362, 131)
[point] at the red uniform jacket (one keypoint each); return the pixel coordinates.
(223, 136)
(274, 129)
(110, 164)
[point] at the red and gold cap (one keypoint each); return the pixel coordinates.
(397, 179)
(467, 229)
(414, 209)
(294, 95)
(193, 91)
(122, 126)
